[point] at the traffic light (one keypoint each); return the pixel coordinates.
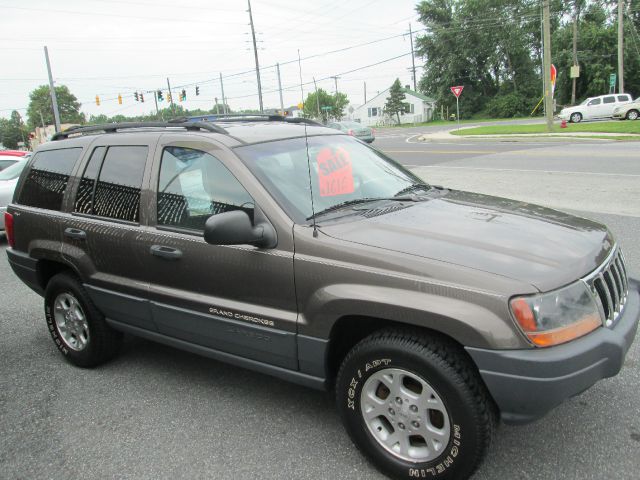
(168, 96)
(135, 95)
(183, 97)
(119, 99)
(141, 97)
(159, 94)
(197, 90)
(97, 100)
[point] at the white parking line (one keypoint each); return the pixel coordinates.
(530, 171)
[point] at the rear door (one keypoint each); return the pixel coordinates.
(236, 299)
(608, 105)
(101, 234)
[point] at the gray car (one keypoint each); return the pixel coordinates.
(8, 181)
(300, 252)
(366, 134)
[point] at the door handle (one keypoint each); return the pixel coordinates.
(169, 253)
(75, 233)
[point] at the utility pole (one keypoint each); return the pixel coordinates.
(255, 53)
(620, 46)
(173, 107)
(317, 97)
(576, 14)
(280, 87)
(155, 99)
(224, 99)
(365, 92)
(41, 119)
(335, 79)
(548, 98)
(413, 60)
(52, 91)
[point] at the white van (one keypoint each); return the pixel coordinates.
(595, 107)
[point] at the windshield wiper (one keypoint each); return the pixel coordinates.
(411, 188)
(338, 206)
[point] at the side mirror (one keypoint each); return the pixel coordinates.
(235, 228)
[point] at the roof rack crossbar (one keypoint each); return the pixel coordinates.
(114, 127)
(255, 117)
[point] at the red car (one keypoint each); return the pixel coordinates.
(9, 157)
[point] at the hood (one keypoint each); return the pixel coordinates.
(525, 242)
(7, 187)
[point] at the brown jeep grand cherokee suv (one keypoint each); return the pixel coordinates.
(303, 253)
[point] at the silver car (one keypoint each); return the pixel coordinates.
(366, 134)
(8, 181)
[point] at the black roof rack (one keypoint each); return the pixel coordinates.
(114, 127)
(253, 117)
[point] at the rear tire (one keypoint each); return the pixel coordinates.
(632, 115)
(77, 327)
(415, 405)
(575, 117)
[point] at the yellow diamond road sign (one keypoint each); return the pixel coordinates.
(301, 105)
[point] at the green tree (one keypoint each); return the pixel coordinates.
(334, 105)
(40, 103)
(492, 47)
(13, 131)
(396, 100)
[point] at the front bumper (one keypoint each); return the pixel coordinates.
(527, 384)
(564, 116)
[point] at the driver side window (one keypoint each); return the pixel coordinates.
(193, 186)
(594, 102)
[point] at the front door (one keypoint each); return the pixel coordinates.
(236, 299)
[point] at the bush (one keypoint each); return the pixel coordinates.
(508, 105)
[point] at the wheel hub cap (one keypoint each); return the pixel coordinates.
(405, 415)
(71, 321)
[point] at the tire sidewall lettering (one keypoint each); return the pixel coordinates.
(434, 469)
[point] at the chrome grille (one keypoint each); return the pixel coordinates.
(610, 287)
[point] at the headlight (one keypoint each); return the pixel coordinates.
(557, 317)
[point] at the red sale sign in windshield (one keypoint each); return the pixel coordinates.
(335, 174)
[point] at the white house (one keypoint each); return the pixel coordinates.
(371, 114)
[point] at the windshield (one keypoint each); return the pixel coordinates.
(585, 102)
(13, 171)
(342, 170)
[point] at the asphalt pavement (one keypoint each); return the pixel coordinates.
(155, 412)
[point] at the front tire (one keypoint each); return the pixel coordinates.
(77, 327)
(632, 115)
(575, 117)
(415, 405)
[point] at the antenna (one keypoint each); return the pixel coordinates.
(306, 141)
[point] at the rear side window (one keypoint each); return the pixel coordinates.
(611, 99)
(624, 98)
(111, 184)
(48, 177)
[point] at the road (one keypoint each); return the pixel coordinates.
(155, 412)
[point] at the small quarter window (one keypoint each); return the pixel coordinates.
(48, 177)
(193, 186)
